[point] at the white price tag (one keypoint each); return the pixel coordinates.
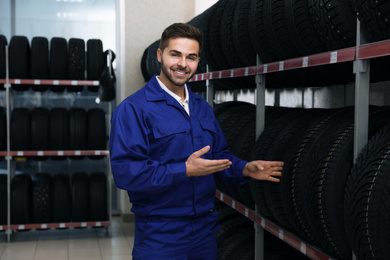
(305, 62)
(233, 204)
(37, 82)
(281, 65)
(281, 234)
(303, 248)
(265, 70)
(246, 212)
(333, 57)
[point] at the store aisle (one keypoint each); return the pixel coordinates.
(72, 244)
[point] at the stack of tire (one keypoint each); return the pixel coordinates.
(58, 59)
(236, 31)
(236, 238)
(316, 146)
(58, 198)
(42, 129)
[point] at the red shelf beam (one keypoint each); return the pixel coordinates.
(56, 153)
(283, 235)
(60, 225)
(51, 82)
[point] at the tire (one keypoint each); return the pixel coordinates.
(80, 197)
(374, 17)
(77, 129)
(95, 61)
(59, 129)
(335, 22)
(39, 66)
(241, 34)
(19, 60)
(96, 129)
(98, 196)
(20, 129)
(3, 130)
(149, 63)
(3, 43)
(76, 62)
(21, 186)
(61, 198)
(3, 200)
(40, 122)
(366, 199)
(41, 199)
(58, 62)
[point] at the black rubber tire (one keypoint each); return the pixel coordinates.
(3, 43)
(3, 199)
(96, 129)
(19, 60)
(77, 129)
(59, 129)
(335, 22)
(227, 36)
(58, 63)
(39, 62)
(41, 199)
(149, 63)
(20, 129)
(241, 34)
(61, 198)
(328, 176)
(374, 17)
(76, 62)
(294, 183)
(3, 130)
(214, 37)
(98, 196)
(95, 61)
(80, 197)
(21, 186)
(40, 122)
(366, 199)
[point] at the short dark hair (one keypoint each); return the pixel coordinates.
(181, 30)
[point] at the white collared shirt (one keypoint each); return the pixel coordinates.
(184, 103)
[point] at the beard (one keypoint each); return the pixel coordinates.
(177, 81)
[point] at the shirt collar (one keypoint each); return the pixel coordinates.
(175, 96)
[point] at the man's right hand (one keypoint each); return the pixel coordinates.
(197, 166)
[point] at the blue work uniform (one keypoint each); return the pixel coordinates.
(152, 137)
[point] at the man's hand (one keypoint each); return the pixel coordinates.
(263, 170)
(197, 166)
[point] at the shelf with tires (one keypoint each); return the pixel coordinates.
(333, 199)
(54, 168)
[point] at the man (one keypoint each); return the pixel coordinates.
(165, 147)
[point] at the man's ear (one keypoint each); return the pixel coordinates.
(159, 53)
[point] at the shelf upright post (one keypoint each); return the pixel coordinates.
(260, 115)
(362, 91)
(209, 90)
(362, 86)
(8, 157)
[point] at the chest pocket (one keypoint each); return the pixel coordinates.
(208, 132)
(171, 140)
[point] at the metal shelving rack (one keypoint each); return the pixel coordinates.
(9, 154)
(360, 55)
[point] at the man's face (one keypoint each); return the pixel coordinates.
(178, 61)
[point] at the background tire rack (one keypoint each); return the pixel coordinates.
(77, 153)
(360, 55)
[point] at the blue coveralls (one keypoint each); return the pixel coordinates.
(152, 136)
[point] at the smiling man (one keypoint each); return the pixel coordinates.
(166, 147)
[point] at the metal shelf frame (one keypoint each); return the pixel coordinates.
(8, 154)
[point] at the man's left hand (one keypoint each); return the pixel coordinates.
(263, 170)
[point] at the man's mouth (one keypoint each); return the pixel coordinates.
(180, 72)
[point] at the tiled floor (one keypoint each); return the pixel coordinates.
(71, 244)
